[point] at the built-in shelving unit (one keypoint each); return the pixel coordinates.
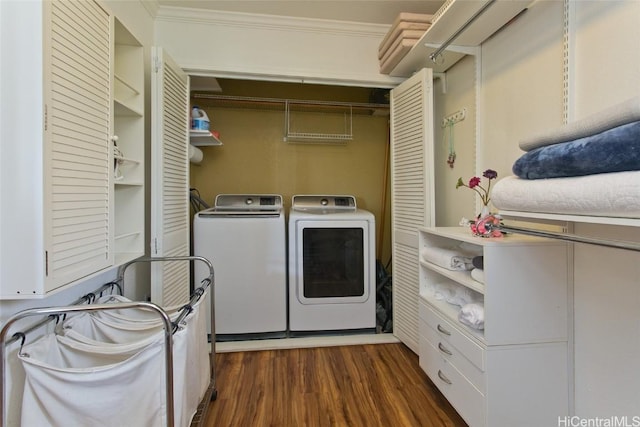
(128, 123)
(453, 16)
(523, 344)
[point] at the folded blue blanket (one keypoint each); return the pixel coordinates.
(614, 150)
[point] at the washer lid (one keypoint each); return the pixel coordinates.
(319, 203)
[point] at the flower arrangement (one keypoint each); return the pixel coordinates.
(486, 224)
(474, 184)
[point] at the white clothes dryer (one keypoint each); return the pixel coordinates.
(331, 265)
(244, 237)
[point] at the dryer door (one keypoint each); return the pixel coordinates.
(332, 261)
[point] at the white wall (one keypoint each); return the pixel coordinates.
(230, 44)
(607, 291)
(459, 89)
(522, 93)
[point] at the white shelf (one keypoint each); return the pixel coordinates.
(127, 160)
(462, 277)
(630, 222)
(203, 138)
(122, 109)
(451, 17)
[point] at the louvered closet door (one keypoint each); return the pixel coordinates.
(170, 180)
(78, 195)
(412, 206)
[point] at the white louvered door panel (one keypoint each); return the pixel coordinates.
(412, 187)
(78, 190)
(170, 180)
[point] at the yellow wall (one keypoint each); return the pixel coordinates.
(255, 159)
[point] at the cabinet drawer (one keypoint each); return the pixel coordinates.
(463, 396)
(446, 330)
(452, 355)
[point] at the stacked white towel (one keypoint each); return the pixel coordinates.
(454, 294)
(472, 315)
(459, 258)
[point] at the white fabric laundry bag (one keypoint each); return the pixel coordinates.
(191, 371)
(197, 348)
(199, 372)
(110, 330)
(133, 314)
(72, 384)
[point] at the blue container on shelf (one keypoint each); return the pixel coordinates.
(199, 119)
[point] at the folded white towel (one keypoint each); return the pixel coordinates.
(472, 315)
(455, 294)
(443, 291)
(451, 259)
(614, 116)
(477, 274)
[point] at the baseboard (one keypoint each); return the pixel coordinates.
(305, 342)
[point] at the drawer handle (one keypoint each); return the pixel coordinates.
(443, 330)
(444, 349)
(443, 378)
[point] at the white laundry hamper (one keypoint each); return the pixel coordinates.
(197, 349)
(106, 370)
(140, 315)
(73, 384)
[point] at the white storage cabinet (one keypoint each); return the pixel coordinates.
(63, 216)
(515, 371)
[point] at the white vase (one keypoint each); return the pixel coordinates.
(484, 211)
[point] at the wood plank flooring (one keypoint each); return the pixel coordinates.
(360, 385)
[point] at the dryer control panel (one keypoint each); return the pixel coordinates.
(323, 203)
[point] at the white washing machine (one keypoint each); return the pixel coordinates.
(244, 237)
(331, 265)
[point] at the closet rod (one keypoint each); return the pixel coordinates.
(618, 244)
(460, 30)
(281, 102)
(86, 298)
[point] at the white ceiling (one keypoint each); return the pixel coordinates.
(368, 11)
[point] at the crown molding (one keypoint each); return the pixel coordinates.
(151, 6)
(269, 22)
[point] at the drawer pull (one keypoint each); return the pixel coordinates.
(444, 349)
(443, 330)
(443, 378)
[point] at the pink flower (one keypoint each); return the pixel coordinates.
(474, 184)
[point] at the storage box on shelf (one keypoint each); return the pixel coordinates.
(493, 375)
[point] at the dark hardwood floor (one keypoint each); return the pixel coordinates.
(360, 385)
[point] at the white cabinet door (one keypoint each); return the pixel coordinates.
(78, 196)
(170, 180)
(55, 150)
(412, 194)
